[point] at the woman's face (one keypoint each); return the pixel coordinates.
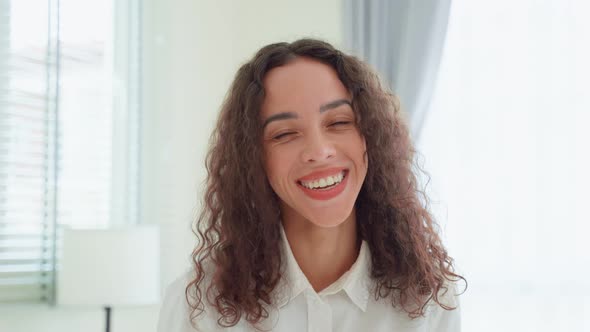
(314, 152)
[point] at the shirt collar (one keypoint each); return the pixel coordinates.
(355, 282)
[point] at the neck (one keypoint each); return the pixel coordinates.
(323, 254)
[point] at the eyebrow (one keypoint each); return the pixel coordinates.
(334, 104)
(292, 115)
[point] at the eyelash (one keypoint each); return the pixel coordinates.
(282, 135)
(340, 123)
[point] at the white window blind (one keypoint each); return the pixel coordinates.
(69, 134)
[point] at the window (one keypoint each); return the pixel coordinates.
(69, 134)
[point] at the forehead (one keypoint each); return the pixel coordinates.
(302, 84)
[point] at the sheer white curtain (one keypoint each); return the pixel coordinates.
(403, 40)
(506, 145)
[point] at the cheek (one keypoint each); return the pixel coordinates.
(360, 146)
(269, 166)
(359, 154)
(275, 166)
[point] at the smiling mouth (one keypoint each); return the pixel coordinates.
(325, 183)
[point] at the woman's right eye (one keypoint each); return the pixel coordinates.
(282, 135)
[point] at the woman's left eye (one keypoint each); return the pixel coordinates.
(339, 123)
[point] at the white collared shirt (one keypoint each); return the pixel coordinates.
(346, 305)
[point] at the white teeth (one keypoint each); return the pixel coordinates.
(324, 182)
(330, 180)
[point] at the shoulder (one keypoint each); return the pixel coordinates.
(441, 319)
(175, 312)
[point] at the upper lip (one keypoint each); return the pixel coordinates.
(322, 174)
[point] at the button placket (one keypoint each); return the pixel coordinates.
(319, 314)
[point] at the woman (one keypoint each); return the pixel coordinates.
(312, 219)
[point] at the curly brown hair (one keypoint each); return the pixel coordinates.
(239, 227)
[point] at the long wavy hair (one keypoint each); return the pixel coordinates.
(238, 257)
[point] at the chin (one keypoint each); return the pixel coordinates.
(328, 219)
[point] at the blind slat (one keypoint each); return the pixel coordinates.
(23, 255)
(25, 279)
(7, 269)
(15, 293)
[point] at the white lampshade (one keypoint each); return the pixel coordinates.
(118, 267)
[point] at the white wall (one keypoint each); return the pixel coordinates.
(191, 51)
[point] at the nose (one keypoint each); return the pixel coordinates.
(318, 147)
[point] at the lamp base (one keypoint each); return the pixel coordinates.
(108, 317)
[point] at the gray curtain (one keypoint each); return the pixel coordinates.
(403, 40)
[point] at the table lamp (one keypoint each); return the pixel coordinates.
(109, 268)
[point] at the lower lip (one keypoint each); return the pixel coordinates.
(325, 194)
